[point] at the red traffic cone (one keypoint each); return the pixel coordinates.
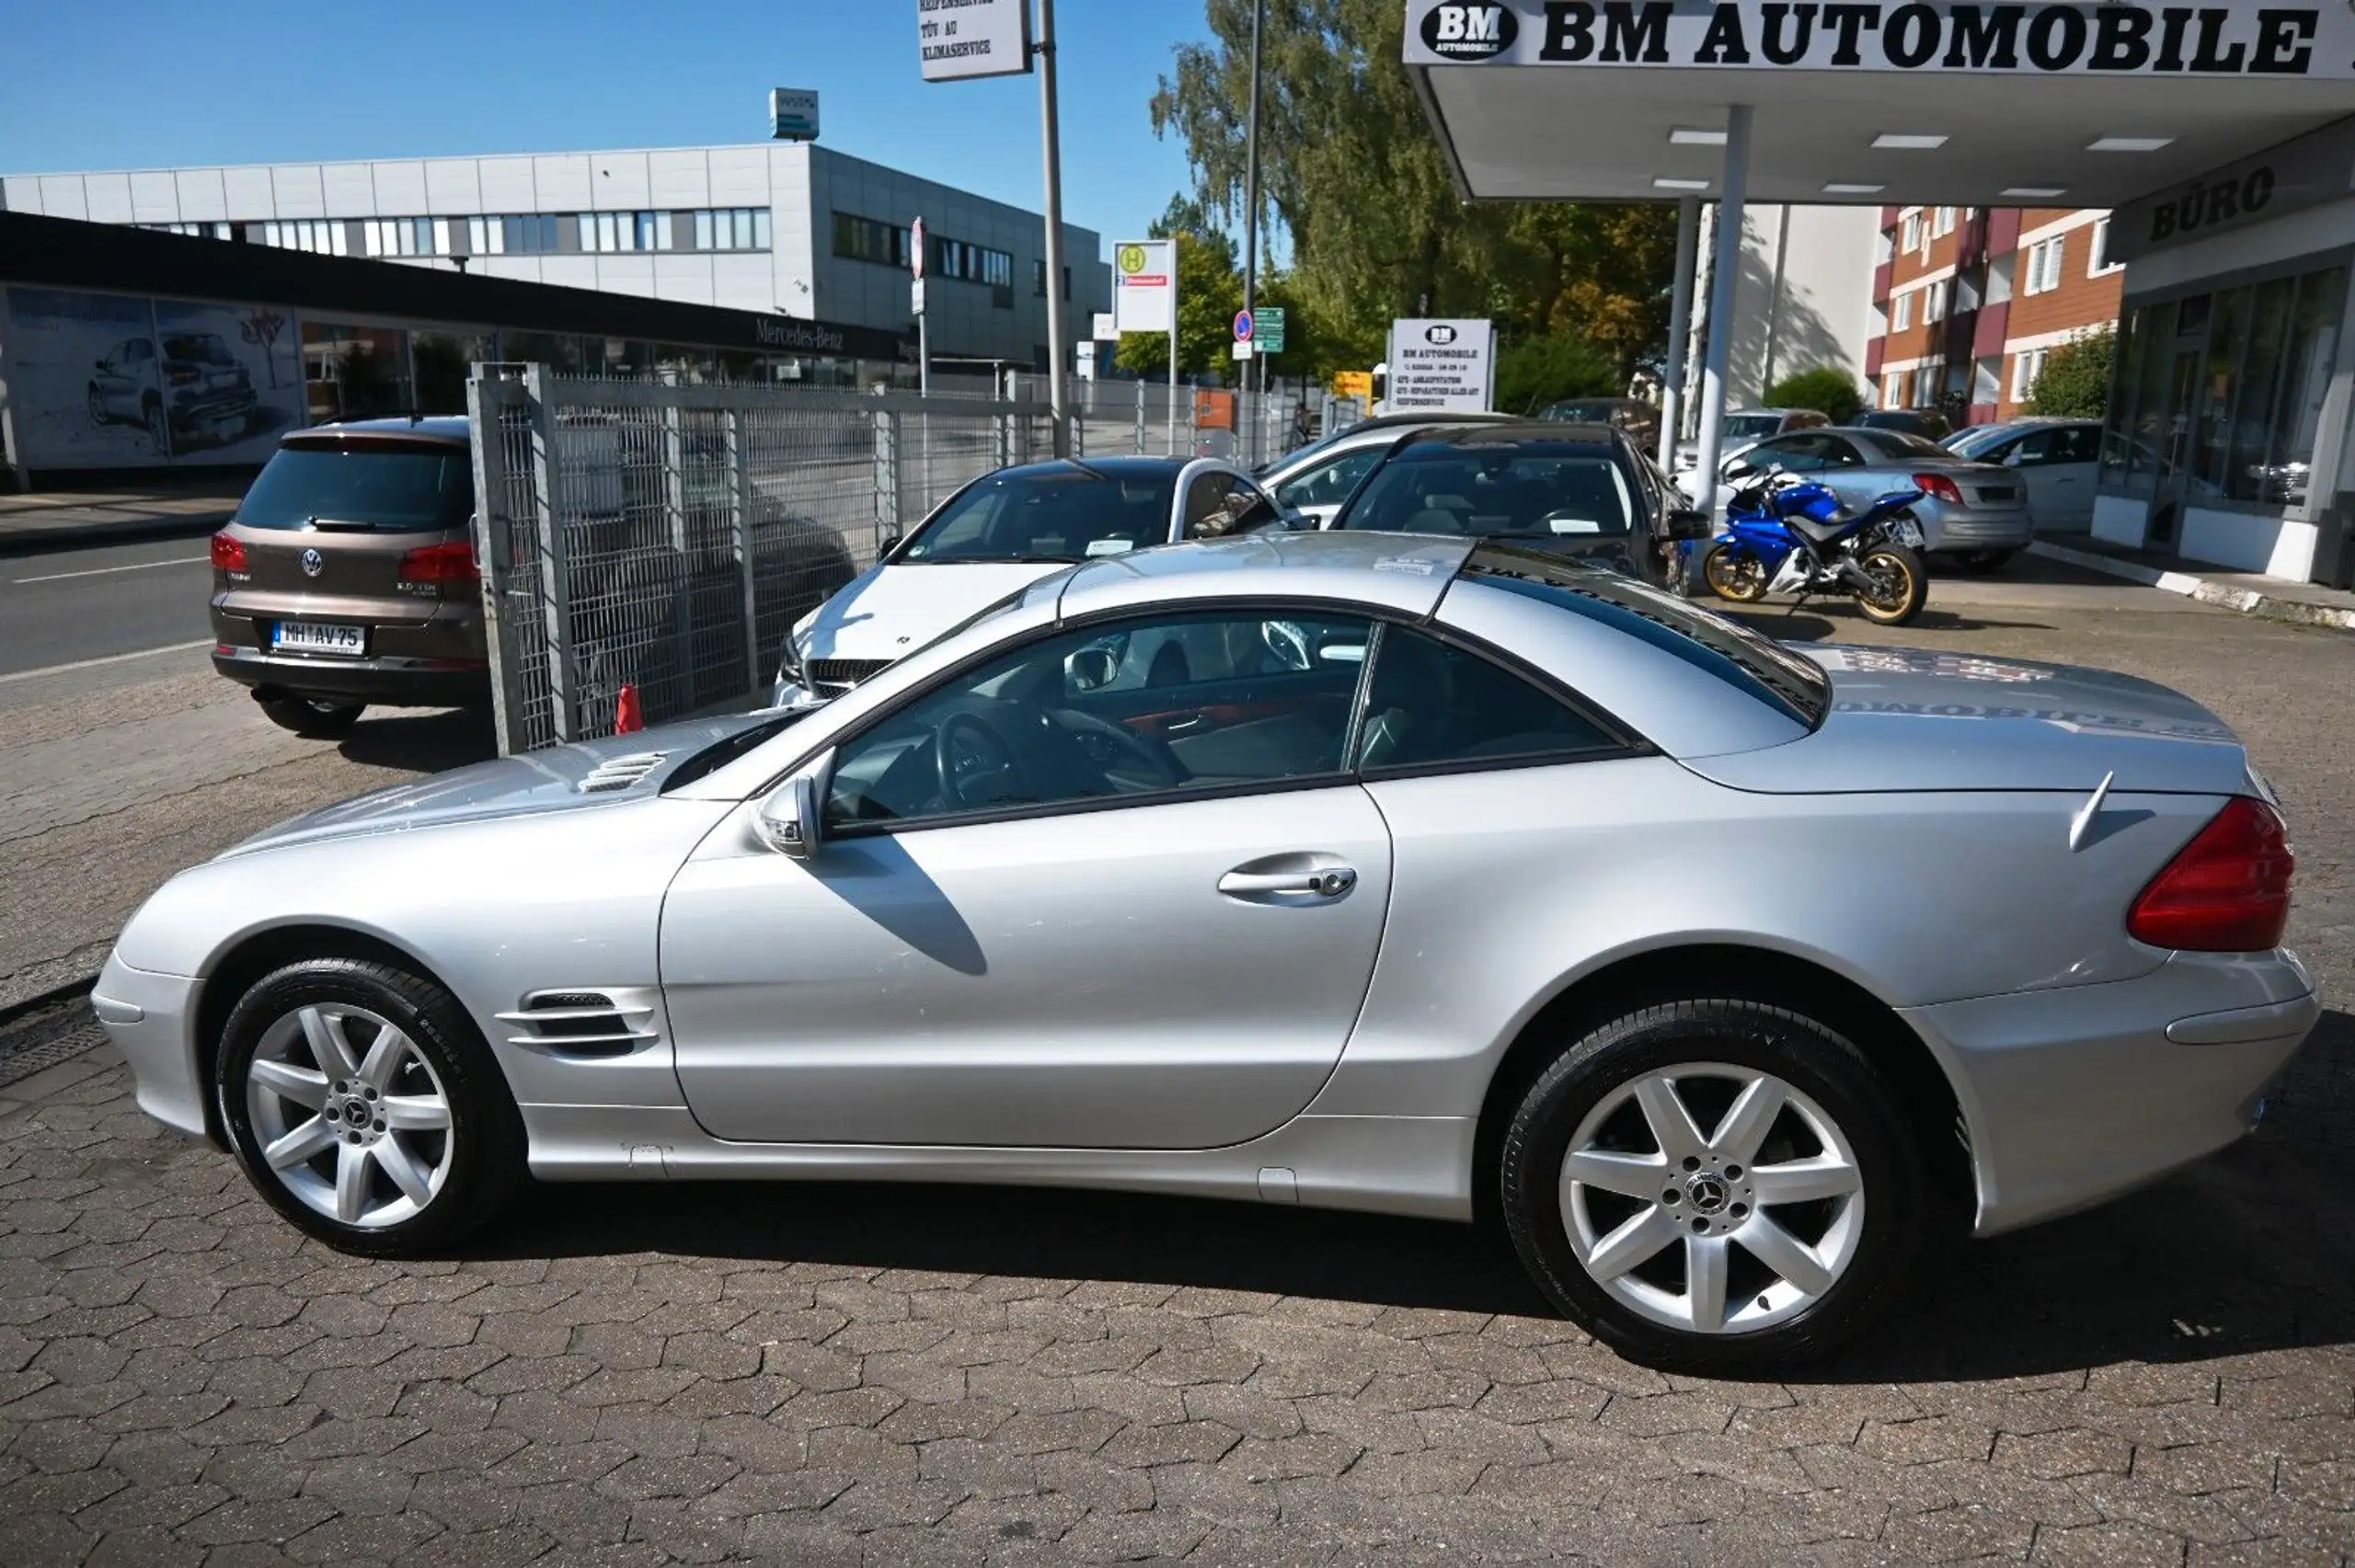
(628, 718)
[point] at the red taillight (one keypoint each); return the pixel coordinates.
(182, 375)
(228, 553)
(441, 562)
(2228, 891)
(1939, 487)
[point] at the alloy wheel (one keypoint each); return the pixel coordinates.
(1713, 1198)
(350, 1116)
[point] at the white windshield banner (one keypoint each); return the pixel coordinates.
(2121, 38)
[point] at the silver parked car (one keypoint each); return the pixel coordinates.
(1381, 896)
(1313, 480)
(1973, 515)
(1744, 427)
(2058, 462)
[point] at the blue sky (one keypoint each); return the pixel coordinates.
(140, 84)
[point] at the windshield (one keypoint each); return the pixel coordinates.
(1724, 647)
(199, 348)
(1496, 492)
(1970, 443)
(399, 490)
(1052, 514)
(1752, 427)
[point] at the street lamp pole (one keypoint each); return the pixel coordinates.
(1251, 232)
(1052, 139)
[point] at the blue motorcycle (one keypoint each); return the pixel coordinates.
(1784, 534)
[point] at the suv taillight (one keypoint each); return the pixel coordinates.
(2227, 891)
(1940, 488)
(441, 562)
(228, 553)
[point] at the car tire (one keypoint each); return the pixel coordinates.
(1645, 1270)
(353, 1170)
(98, 407)
(159, 431)
(313, 718)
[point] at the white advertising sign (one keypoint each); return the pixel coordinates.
(1441, 364)
(1103, 326)
(973, 38)
(1085, 351)
(1145, 285)
(2126, 37)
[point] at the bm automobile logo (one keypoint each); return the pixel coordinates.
(1469, 32)
(1439, 335)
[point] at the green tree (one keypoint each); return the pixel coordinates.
(1356, 182)
(1210, 293)
(1831, 392)
(1535, 371)
(2074, 383)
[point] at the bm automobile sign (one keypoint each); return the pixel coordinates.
(2116, 37)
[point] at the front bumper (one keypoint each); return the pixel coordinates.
(151, 1019)
(1954, 528)
(2076, 1095)
(392, 681)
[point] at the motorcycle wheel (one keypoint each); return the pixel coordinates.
(1901, 585)
(1738, 578)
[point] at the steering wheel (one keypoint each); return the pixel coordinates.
(1151, 755)
(966, 752)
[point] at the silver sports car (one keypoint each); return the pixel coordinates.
(1354, 870)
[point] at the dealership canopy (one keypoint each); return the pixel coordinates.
(1976, 105)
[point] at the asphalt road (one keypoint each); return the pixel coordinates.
(71, 605)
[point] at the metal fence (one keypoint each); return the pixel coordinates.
(664, 538)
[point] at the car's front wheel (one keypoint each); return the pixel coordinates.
(365, 1108)
(1717, 1186)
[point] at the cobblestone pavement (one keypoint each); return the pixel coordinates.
(833, 1373)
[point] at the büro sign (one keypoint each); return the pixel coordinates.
(2311, 169)
(2117, 38)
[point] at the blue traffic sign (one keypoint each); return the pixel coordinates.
(1243, 326)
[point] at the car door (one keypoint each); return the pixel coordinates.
(1112, 889)
(2058, 463)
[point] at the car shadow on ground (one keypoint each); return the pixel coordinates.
(421, 741)
(2251, 1250)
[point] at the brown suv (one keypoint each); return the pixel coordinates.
(347, 576)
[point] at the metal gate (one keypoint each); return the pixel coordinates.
(665, 537)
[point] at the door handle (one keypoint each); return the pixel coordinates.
(1328, 883)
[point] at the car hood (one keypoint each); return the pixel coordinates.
(1911, 719)
(529, 785)
(889, 611)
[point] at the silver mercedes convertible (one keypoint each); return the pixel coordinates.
(1353, 870)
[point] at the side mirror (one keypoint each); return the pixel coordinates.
(790, 820)
(1091, 668)
(1739, 468)
(888, 543)
(1688, 523)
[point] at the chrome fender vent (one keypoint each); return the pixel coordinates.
(621, 773)
(585, 1022)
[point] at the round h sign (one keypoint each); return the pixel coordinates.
(915, 247)
(1243, 326)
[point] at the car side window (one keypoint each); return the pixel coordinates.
(1221, 504)
(1794, 454)
(1329, 484)
(1163, 706)
(2077, 443)
(1838, 454)
(1432, 703)
(1258, 511)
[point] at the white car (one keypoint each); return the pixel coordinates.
(2058, 462)
(998, 535)
(1316, 479)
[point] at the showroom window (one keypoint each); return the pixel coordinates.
(2218, 399)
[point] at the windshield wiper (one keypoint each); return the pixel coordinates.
(342, 524)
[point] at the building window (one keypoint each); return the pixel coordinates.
(2044, 262)
(867, 239)
(731, 228)
(194, 230)
(1942, 223)
(2098, 264)
(397, 236)
(1914, 238)
(1039, 280)
(1891, 386)
(321, 236)
(1900, 312)
(1934, 301)
(2027, 365)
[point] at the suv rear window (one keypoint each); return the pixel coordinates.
(1733, 653)
(403, 489)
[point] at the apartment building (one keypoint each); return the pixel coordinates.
(1969, 302)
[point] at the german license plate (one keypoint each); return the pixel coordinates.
(1907, 532)
(1998, 493)
(317, 637)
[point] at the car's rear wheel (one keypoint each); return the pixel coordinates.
(98, 407)
(159, 429)
(316, 718)
(1717, 1186)
(365, 1108)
